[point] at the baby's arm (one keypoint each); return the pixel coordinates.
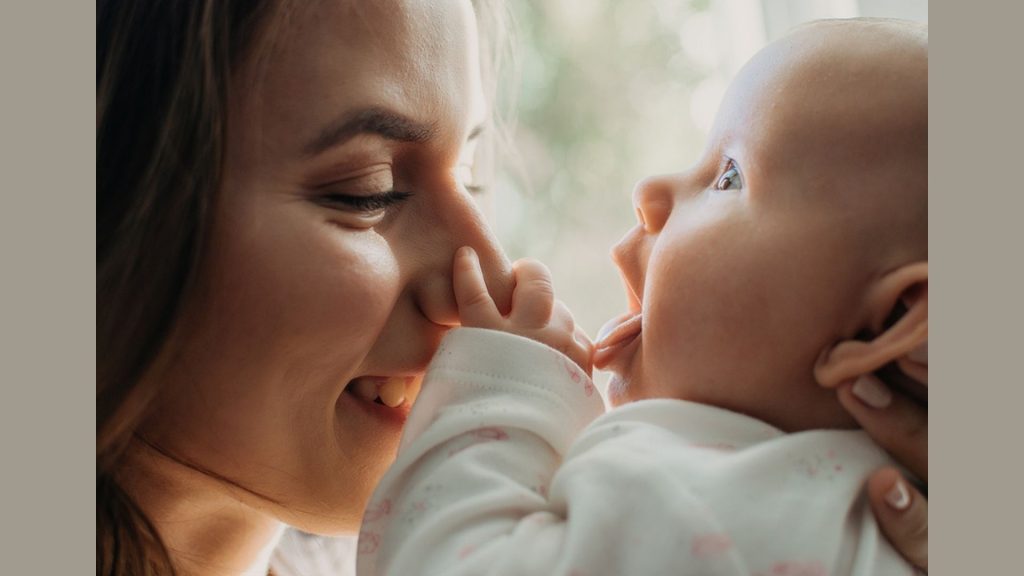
(480, 484)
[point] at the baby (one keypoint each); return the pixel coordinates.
(793, 253)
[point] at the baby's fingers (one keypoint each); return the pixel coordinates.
(583, 350)
(476, 307)
(572, 340)
(533, 298)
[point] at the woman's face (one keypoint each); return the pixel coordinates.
(329, 263)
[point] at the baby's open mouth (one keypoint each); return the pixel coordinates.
(389, 391)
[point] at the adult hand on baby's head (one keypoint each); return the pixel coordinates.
(898, 421)
(535, 313)
(882, 381)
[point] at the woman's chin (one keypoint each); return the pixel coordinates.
(334, 506)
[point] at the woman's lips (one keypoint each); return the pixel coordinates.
(615, 335)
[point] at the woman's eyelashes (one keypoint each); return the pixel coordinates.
(367, 204)
(364, 209)
(730, 178)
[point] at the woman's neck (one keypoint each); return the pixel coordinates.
(204, 522)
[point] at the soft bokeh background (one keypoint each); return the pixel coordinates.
(610, 91)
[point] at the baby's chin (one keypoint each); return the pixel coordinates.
(618, 390)
(626, 388)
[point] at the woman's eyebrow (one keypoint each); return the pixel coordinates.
(380, 121)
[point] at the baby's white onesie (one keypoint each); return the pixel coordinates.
(508, 465)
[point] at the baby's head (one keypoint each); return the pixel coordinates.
(795, 250)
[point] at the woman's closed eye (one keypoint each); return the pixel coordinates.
(363, 200)
(366, 205)
(730, 178)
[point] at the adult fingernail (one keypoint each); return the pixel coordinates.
(898, 497)
(872, 392)
(919, 354)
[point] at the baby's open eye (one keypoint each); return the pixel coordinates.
(730, 178)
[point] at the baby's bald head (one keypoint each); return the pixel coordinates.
(802, 228)
(861, 88)
(841, 108)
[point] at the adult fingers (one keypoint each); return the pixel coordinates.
(476, 307)
(533, 298)
(919, 354)
(902, 514)
(895, 422)
(913, 369)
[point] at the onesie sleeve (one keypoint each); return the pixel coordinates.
(481, 484)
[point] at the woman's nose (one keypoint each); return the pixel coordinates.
(456, 223)
(652, 198)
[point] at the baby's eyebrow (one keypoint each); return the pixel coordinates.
(373, 120)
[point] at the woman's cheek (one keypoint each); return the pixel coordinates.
(313, 288)
(356, 292)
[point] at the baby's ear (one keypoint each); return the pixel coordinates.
(897, 312)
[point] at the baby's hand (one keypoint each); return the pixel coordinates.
(535, 313)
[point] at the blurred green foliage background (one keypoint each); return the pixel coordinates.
(609, 92)
(604, 98)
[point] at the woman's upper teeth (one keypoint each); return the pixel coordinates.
(364, 388)
(390, 391)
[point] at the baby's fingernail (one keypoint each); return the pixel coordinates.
(919, 354)
(872, 392)
(898, 497)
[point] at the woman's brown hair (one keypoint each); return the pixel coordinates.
(164, 69)
(162, 79)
